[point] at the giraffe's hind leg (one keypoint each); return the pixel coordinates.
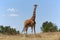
(24, 29)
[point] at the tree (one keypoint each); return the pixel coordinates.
(49, 27)
(1, 29)
(59, 30)
(8, 30)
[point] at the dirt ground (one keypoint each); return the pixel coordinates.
(38, 36)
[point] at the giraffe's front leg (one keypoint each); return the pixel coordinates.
(34, 29)
(31, 29)
(26, 29)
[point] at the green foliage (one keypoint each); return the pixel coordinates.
(49, 27)
(59, 30)
(8, 30)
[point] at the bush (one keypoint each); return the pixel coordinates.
(59, 30)
(49, 27)
(8, 30)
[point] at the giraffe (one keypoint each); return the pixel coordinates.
(30, 22)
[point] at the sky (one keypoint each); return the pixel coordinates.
(14, 12)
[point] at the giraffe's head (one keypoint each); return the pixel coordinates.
(35, 5)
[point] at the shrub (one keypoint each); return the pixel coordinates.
(8, 30)
(49, 27)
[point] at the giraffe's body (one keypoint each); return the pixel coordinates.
(31, 22)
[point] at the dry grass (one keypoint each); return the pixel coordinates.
(39, 36)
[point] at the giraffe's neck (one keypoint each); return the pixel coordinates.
(33, 18)
(34, 14)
